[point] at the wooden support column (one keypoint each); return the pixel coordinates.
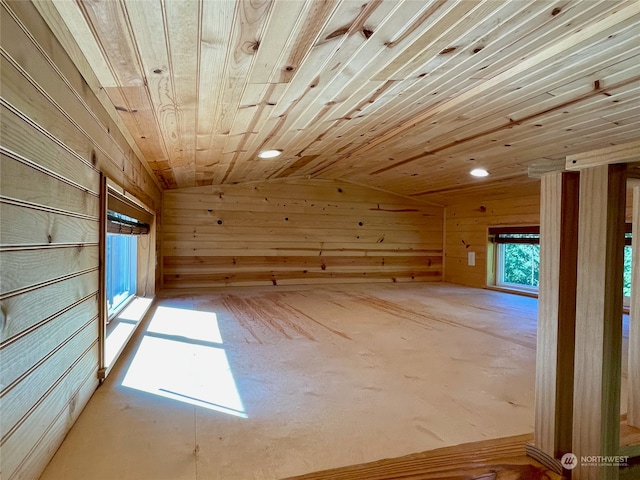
(633, 378)
(596, 408)
(556, 313)
(102, 283)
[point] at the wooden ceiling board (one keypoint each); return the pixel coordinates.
(182, 32)
(349, 107)
(398, 95)
(361, 44)
(508, 128)
(75, 20)
(460, 101)
(128, 102)
(521, 103)
(415, 97)
(499, 98)
(150, 31)
(352, 90)
(303, 84)
(216, 21)
(110, 27)
(467, 127)
(249, 22)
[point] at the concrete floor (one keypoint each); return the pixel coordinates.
(265, 383)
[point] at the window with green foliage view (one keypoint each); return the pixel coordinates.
(626, 287)
(520, 264)
(518, 259)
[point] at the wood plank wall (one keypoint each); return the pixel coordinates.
(297, 231)
(56, 138)
(467, 222)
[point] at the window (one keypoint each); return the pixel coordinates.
(516, 254)
(122, 260)
(627, 264)
(127, 270)
(517, 257)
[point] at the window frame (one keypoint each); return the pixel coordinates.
(499, 275)
(133, 282)
(122, 213)
(497, 239)
(495, 267)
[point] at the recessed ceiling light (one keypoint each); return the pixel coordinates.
(479, 172)
(270, 153)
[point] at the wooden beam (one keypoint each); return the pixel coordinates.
(633, 174)
(633, 377)
(556, 312)
(624, 153)
(538, 169)
(596, 406)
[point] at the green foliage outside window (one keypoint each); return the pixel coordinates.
(626, 288)
(521, 264)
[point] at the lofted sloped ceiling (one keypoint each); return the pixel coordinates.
(406, 96)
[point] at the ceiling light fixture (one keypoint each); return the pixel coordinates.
(270, 153)
(479, 172)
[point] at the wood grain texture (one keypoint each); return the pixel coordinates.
(43, 83)
(556, 313)
(467, 223)
(624, 153)
(633, 375)
(502, 459)
(56, 138)
(297, 232)
(394, 94)
(368, 349)
(596, 409)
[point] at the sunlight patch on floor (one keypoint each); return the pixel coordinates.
(181, 357)
(189, 324)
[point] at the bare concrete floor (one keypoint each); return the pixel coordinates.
(265, 383)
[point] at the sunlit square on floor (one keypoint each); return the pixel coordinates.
(181, 357)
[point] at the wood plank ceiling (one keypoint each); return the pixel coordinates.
(402, 95)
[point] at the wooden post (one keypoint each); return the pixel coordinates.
(633, 377)
(556, 313)
(102, 283)
(596, 407)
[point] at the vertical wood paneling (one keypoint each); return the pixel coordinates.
(56, 138)
(556, 313)
(598, 354)
(633, 379)
(103, 315)
(297, 232)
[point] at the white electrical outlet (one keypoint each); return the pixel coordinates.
(471, 257)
